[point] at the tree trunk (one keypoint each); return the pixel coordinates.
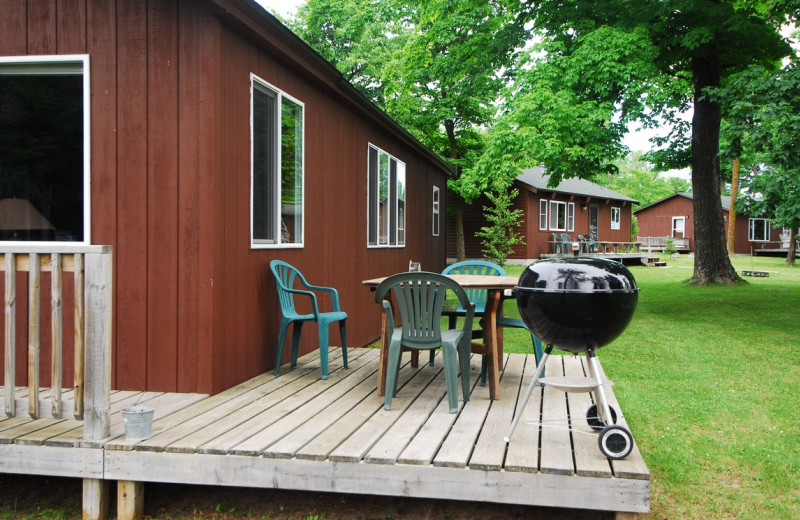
(790, 257)
(711, 263)
(732, 211)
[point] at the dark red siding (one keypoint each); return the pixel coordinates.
(195, 307)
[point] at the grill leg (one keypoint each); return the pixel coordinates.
(603, 409)
(528, 392)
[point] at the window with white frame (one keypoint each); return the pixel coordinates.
(386, 198)
(562, 216)
(615, 218)
(542, 214)
(759, 230)
(44, 149)
(277, 167)
(436, 211)
(678, 227)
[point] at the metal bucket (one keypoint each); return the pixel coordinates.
(138, 420)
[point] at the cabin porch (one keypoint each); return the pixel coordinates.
(296, 431)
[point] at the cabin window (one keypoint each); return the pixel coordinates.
(759, 230)
(615, 218)
(543, 214)
(678, 227)
(436, 211)
(562, 216)
(44, 149)
(277, 167)
(386, 199)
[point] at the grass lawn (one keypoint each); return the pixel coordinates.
(709, 378)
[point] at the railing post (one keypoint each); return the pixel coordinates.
(98, 273)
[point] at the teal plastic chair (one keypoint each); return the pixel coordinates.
(566, 243)
(420, 297)
(479, 296)
(291, 284)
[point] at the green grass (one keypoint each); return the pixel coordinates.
(709, 379)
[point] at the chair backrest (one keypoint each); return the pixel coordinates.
(481, 267)
(285, 276)
(420, 297)
(565, 238)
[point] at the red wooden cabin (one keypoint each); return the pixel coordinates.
(673, 216)
(575, 207)
(202, 139)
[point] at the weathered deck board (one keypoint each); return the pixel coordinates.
(296, 431)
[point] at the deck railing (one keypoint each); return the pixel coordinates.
(650, 243)
(89, 399)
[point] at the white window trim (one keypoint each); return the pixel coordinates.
(543, 215)
(570, 216)
(83, 59)
(280, 94)
(437, 201)
(370, 201)
(672, 231)
(549, 220)
(750, 237)
(616, 223)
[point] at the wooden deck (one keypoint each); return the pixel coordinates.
(296, 431)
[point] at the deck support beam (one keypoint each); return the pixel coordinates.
(95, 499)
(130, 500)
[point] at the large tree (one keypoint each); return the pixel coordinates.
(435, 66)
(680, 49)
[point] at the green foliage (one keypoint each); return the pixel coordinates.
(500, 237)
(765, 104)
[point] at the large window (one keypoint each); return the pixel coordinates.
(615, 218)
(386, 199)
(44, 149)
(277, 162)
(759, 230)
(562, 216)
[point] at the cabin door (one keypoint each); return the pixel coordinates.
(678, 227)
(593, 210)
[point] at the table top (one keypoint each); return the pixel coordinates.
(468, 281)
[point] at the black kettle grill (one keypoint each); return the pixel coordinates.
(579, 305)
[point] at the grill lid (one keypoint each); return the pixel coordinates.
(577, 275)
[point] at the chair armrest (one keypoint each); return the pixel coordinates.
(334, 294)
(310, 294)
(387, 310)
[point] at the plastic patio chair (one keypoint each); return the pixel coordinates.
(556, 244)
(566, 243)
(291, 284)
(478, 297)
(420, 297)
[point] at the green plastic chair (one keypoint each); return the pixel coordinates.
(420, 299)
(479, 296)
(292, 284)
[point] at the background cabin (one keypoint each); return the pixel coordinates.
(673, 216)
(575, 207)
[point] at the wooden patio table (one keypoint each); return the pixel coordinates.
(493, 347)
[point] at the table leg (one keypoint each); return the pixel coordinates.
(494, 346)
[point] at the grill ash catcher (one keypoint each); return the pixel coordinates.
(579, 305)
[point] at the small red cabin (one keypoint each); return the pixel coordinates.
(574, 207)
(673, 216)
